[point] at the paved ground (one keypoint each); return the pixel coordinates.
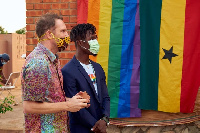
(12, 122)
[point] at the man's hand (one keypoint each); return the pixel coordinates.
(99, 127)
(76, 103)
(84, 95)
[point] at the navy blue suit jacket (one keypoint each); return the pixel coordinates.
(76, 79)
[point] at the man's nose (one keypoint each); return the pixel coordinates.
(67, 35)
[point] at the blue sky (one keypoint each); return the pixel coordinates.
(12, 14)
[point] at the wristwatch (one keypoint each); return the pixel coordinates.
(106, 119)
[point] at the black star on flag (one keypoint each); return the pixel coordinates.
(169, 54)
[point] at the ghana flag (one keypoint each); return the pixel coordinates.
(170, 54)
(117, 24)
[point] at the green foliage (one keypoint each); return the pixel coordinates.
(5, 105)
(3, 31)
(21, 31)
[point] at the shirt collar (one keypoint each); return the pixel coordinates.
(49, 54)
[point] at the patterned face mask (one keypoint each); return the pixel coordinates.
(62, 43)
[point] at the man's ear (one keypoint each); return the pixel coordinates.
(49, 34)
(78, 42)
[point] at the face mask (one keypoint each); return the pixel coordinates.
(4, 63)
(62, 43)
(94, 46)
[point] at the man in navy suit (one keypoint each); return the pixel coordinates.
(82, 74)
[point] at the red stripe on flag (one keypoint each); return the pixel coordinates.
(82, 11)
(191, 57)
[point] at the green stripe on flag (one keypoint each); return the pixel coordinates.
(114, 63)
(150, 15)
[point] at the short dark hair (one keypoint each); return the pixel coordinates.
(46, 22)
(79, 31)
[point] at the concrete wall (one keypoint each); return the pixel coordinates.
(14, 45)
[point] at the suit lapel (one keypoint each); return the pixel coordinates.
(84, 73)
(98, 78)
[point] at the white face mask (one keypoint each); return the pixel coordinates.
(4, 63)
(94, 46)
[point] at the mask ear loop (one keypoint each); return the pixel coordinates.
(55, 38)
(59, 42)
(82, 40)
(39, 39)
(83, 46)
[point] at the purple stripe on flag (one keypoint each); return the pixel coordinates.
(135, 77)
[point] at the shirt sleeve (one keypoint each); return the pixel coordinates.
(35, 80)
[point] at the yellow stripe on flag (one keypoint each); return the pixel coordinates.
(170, 74)
(104, 33)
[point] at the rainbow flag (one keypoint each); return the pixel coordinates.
(117, 24)
(170, 55)
(162, 72)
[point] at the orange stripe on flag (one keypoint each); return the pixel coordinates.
(93, 17)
